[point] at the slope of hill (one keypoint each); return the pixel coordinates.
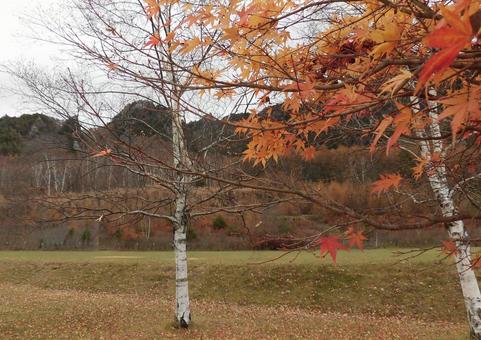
(16, 131)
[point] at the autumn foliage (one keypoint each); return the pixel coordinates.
(385, 63)
(380, 70)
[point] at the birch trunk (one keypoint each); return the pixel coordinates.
(181, 161)
(182, 306)
(49, 176)
(439, 184)
(62, 186)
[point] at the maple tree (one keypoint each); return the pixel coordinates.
(407, 66)
(404, 74)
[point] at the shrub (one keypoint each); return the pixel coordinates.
(219, 223)
(306, 208)
(85, 238)
(118, 234)
(71, 232)
(232, 230)
(284, 228)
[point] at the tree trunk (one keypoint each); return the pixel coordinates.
(182, 307)
(97, 235)
(49, 176)
(181, 161)
(438, 181)
(458, 233)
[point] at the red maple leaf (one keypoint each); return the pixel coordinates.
(450, 40)
(154, 40)
(331, 244)
(244, 15)
(449, 248)
(476, 262)
(309, 153)
(356, 238)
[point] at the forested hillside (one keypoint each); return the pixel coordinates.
(47, 157)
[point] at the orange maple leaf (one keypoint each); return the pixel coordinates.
(356, 238)
(331, 244)
(292, 104)
(224, 93)
(190, 45)
(153, 8)
(402, 122)
(387, 39)
(386, 182)
(103, 153)
(345, 99)
(460, 107)
(451, 40)
(395, 83)
(169, 37)
(418, 169)
(232, 34)
(304, 88)
(191, 20)
(383, 125)
(112, 66)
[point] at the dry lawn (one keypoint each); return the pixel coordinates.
(33, 313)
(119, 295)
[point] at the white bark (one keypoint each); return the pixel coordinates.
(55, 179)
(149, 228)
(182, 310)
(438, 181)
(181, 160)
(109, 177)
(62, 186)
(38, 175)
(49, 176)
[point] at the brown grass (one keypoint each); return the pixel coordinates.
(33, 313)
(124, 295)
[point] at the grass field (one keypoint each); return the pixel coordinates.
(123, 295)
(353, 257)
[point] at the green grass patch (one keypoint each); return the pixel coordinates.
(354, 257)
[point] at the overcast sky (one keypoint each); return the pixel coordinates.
(16, 46)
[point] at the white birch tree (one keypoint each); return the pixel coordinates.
(128, 44)
(431, 144)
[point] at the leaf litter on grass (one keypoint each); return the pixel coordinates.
(31, 312)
